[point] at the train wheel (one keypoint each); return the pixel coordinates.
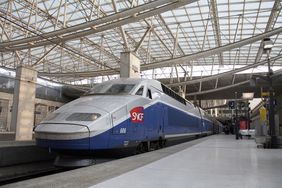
(161, 143)
(142, 148)
(138, 149)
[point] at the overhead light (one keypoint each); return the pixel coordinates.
(248, 96)
(267, 44)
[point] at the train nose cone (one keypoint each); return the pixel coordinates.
(62, 136)
(101, 103)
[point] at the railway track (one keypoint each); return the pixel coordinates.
(16, 173)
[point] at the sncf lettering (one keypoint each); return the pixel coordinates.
(137, 117)
(137, 114)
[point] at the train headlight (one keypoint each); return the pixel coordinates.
(83, 117)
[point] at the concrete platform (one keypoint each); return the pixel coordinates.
(7, 144)
(215, 161)
(20, 152)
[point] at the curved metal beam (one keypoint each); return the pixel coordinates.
(218, 89)
(212, 51)
(270, 24)
(174, 61)
(216, 28)
(276, 74)
(98, 25)
(224, 73)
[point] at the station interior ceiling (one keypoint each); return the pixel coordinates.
(209, 49)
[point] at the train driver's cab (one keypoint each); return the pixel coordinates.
(144, 92)
(147, 92)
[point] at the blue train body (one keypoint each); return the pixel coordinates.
(122, 114)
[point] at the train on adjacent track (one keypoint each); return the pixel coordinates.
(123, 114)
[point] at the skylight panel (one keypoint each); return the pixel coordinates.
(251, 5)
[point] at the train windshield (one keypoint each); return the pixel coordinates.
(111, 89)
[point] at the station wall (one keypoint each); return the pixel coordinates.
(42, 109)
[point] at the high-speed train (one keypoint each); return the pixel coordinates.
(121, 114)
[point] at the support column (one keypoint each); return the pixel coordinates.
(200, 103)
(216, 109)
(195, 100)
(129, 65)
(23, 103)
(278, 119)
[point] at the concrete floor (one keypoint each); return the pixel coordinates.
(8, 144)
(215, 161)
(220, 161)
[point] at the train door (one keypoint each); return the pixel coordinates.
(164, 119)
(120, 125)
(152, 122)
(159, 121)
(155, 123)
(201, 121)
(149, 117)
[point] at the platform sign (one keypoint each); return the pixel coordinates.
(231, 104)
(262, 114)
(266, 94)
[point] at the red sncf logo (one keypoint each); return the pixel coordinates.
(137, 114)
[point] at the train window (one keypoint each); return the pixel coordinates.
(140, 91)
(149, 94)
(100, 88)
(83, 117)
(111, 89)
(172, 94)
(120, 88)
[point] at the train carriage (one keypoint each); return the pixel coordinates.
(122, 114)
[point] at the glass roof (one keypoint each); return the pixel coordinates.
(179, 32)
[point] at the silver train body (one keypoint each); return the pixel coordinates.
(122, 114)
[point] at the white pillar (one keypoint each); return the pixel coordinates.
(216, 109)
(23, 103)
(129, 65)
